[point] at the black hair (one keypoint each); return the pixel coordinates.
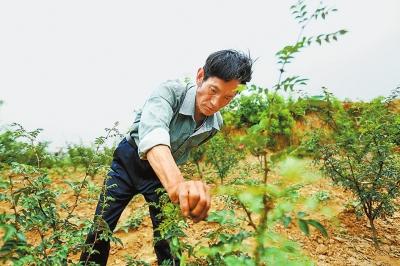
(229, 65)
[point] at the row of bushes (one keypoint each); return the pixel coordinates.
(15, 147)
(248, 109)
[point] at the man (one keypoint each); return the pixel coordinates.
(174, 119)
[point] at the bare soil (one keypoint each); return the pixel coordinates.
(349, 241)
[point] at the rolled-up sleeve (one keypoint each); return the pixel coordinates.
(155, 120)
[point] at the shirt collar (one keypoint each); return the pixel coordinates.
(188, 108)
(188, 105)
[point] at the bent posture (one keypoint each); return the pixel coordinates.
(174, 119)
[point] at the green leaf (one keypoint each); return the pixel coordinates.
(304, 227)
(223, 217)
(4, 184)
(118, 240)
(301, 214)
(240, 88)
(286, 221)
(318, 226)
(9, 233)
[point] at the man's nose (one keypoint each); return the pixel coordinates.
(214, 101)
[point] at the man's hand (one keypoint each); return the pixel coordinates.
(193, 197)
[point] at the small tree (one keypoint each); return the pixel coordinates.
(222, 155)
(12, 149)
(35, 208)
(228, 242)
(359, 153)
(277, 120)
(85, 156)
(196, 155)
(79, 155)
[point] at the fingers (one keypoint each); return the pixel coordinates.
(195, 194)
(173, 194)
(201, 201)
(204, 215)
(194, 199)
(204, 204)
(208, 206)
(183, 195)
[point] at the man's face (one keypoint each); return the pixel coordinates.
(213, 93)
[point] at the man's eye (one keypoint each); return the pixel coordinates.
(213, 90)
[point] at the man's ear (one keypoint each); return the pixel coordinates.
(200, 76)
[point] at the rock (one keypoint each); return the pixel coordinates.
(391, 238)
(352, 261)
(339, 239)
(365, 263)
(322, 249)
(320, 241)
(352, 255)
(331, 241)
(358, 248)
(386, 249)
(364, 244)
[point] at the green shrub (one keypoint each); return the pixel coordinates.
(359, 153)
(35, 208)
(221, 154)
(16, 147)
(245, 109)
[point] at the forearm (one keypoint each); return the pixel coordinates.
(163, 164)
(193, 196)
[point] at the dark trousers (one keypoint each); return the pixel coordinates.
(132, 176)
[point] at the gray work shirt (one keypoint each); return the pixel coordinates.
(167, 118)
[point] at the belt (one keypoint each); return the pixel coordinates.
(131, 140)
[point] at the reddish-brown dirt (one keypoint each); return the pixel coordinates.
(349, 241)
